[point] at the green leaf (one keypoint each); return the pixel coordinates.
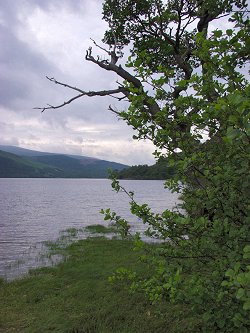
(229, 32)
(240, 293)
(217, 33)
(246, 305)
(230, 273)
(232, 133)
(246, 249)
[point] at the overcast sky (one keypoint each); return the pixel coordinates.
(50, 37)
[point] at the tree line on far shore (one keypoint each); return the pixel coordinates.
(160, 170)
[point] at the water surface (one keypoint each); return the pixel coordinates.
(36, 210)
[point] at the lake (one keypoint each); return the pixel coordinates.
(33, 211)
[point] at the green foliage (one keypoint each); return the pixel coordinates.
(199, 82)
(160, 170)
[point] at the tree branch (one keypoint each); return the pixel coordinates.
(152, 106)
(114, 68)
(58, 106)
(114, 111)
(100, 47)
(119, 90)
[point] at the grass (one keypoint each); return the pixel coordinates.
(75, 296)
(100, 229)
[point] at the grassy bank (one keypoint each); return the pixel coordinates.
(75, 296)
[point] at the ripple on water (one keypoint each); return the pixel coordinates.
(34, 211)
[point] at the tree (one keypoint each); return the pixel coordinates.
(189, 95)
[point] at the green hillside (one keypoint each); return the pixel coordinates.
(79, 168)
(41, 165)
(13, 166)
(22, 151)
(160, 170)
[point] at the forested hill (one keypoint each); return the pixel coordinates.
(14, 166)
(160, 170)
(33, 164)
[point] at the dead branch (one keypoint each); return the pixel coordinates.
(58, 106)
(112, 53)
(64, 84)
(150, 105)
(100, 47)
(120, 98)
(113, 110)
(114, 68)
(82, 93)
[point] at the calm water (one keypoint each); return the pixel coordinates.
(36, 210)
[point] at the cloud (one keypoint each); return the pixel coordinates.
(44, 37)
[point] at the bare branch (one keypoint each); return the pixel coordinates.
(82, 93)
(100, 47)
(64, 84)
(114, 68)
(58, 106)
(121, 89)
(112, 53)
(120, 98)
(113, 110)
(150, 105)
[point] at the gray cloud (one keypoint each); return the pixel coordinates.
(49, 37)
(19, 65)
(17, 55)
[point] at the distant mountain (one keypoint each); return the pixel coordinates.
(79, 168)
(22, 151)
(13, 166)
(19, 162)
